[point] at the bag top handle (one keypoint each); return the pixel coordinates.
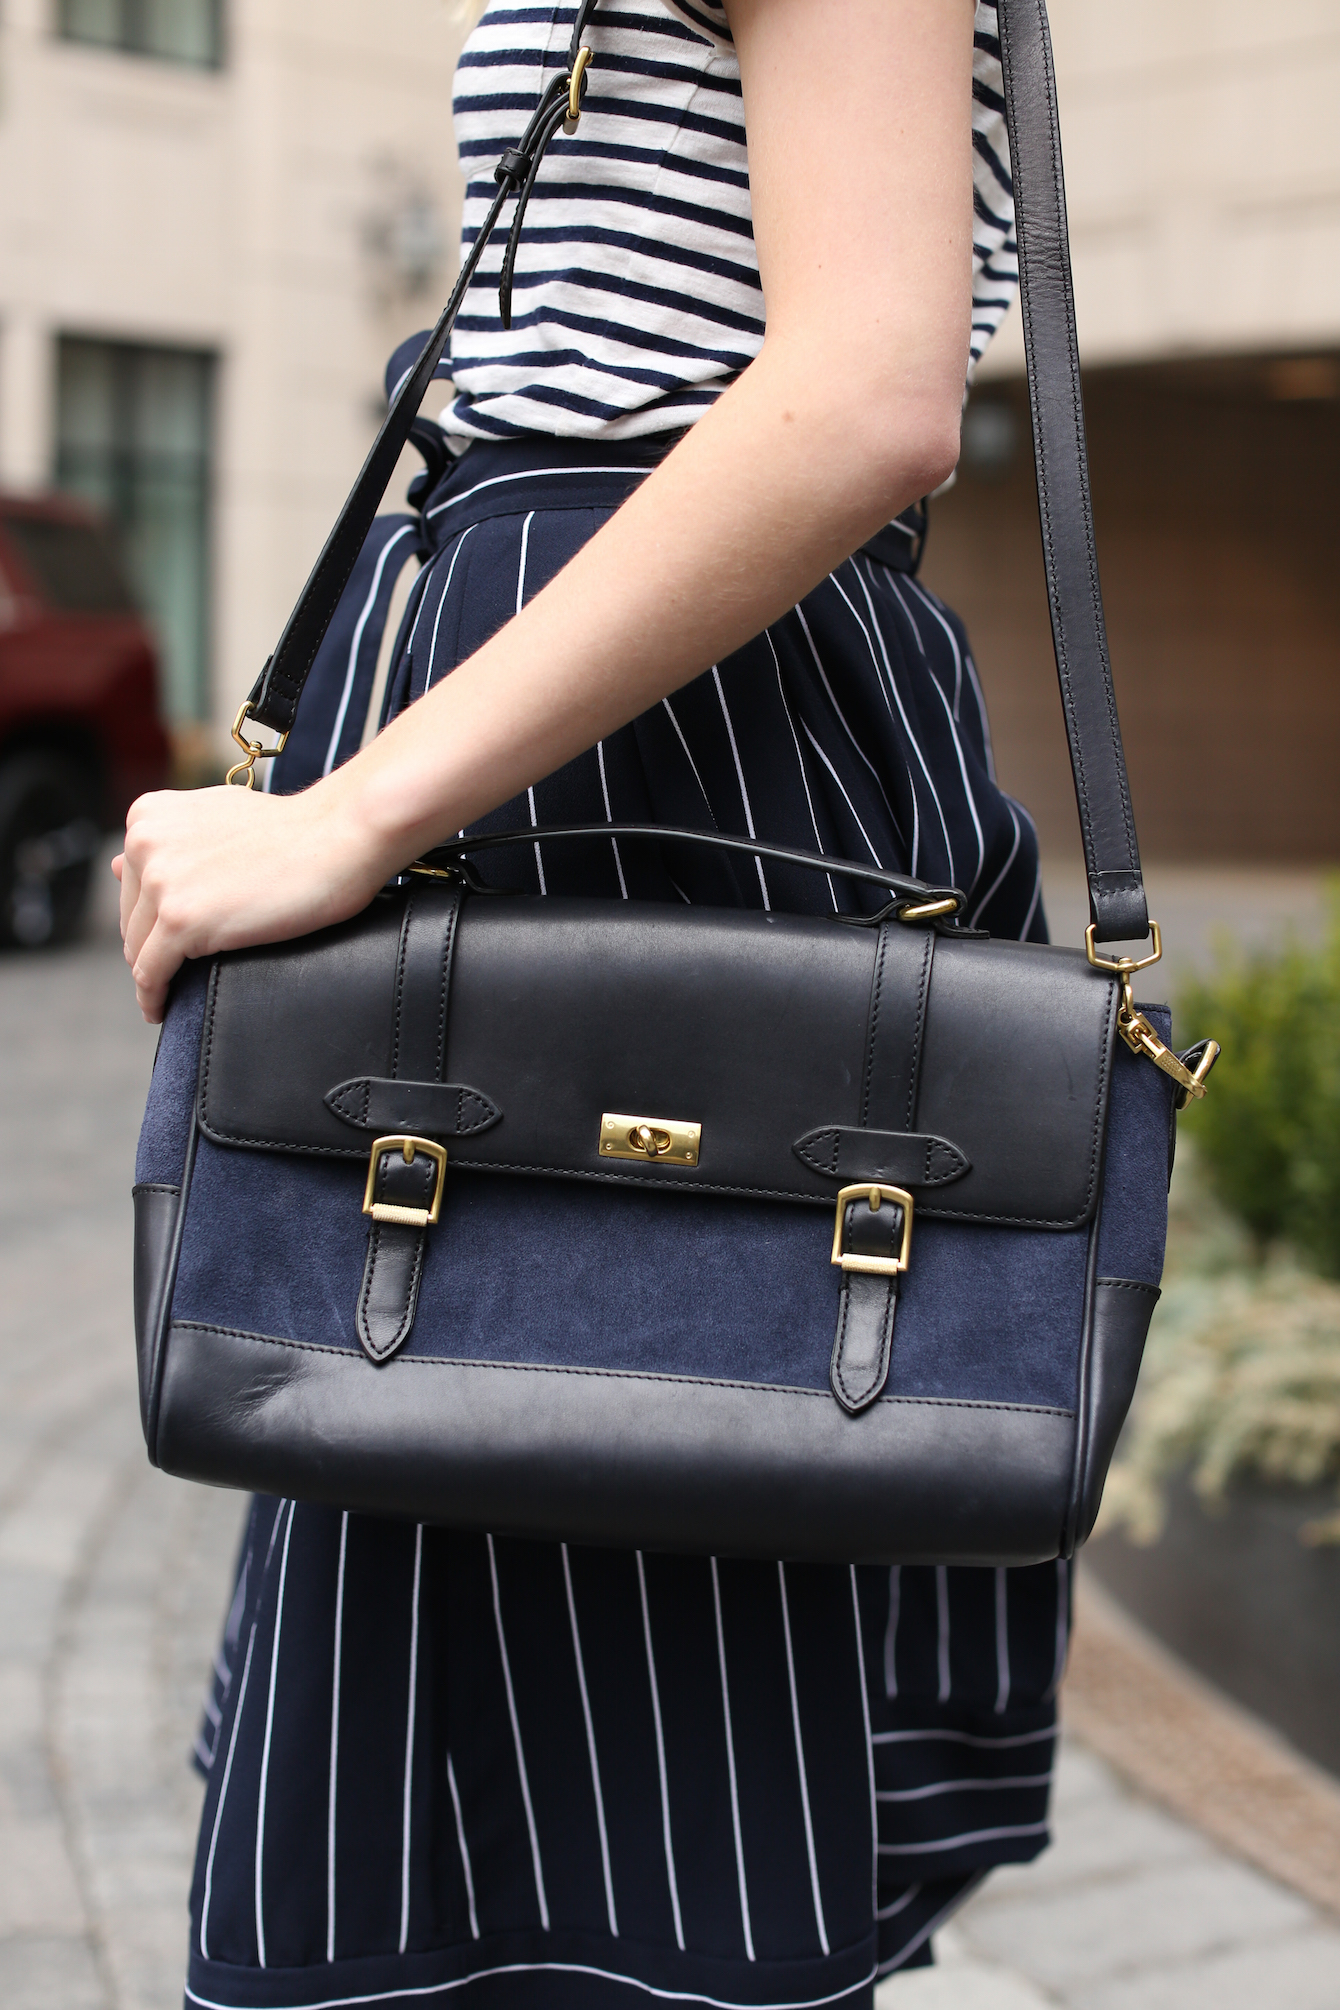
(1107, 825)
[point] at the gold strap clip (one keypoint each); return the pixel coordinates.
(255, 750)
(1135, 1029)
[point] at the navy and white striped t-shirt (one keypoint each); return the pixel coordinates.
(637, 296)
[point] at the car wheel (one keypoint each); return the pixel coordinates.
(48, 839)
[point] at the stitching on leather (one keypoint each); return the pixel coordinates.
(402, 958)
(860, 1397)
(374, 1349)
(914, 1073)
(154, 1186)
(207, 1037)
(1126, 1284)
(872, 1031)
(355, 1354)
(228, 1139)
(447, 946)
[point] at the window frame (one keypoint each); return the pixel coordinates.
(132, 40)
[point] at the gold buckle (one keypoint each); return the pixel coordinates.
(409, 1147)
(873, 1266)
(255, 750)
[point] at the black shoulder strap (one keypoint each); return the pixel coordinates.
(1079, 633)
(1111, 855)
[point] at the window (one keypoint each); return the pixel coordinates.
(134, 432)
(180, 31)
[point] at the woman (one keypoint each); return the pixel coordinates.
(573, 1777)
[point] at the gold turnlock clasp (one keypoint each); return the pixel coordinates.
(660, 1140)
(576, 85)
(874, 1193)
(255, 750)
(409, 1148)
(1136, 1030)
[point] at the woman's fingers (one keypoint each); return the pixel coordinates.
(220, 868)
(154, 968)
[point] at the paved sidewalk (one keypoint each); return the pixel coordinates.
(112, 1580)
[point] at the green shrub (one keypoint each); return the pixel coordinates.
(1268, 1133)
(1241, 1377)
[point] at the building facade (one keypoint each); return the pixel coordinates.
(1203, 168)
(217, 217)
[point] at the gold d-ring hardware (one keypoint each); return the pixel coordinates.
(408, 1147)
(1135, 1029)
(662, 1141)
(873, 1266)
(576, 85)
(1122, 966)
(255, 750)
(929, 910)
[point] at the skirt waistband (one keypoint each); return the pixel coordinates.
(511, 477)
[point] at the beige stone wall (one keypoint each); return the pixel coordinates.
(1202, 148)
(233, 209)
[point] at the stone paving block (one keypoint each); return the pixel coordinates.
(38, 1893)
(29, 1602)
(1299, 1972)
(1079, 1780)
(971, 1987)
(1118, 1924)
(48, 1973)
(46, 1529)
(1100, 1838)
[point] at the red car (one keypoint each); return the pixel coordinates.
(81, 734)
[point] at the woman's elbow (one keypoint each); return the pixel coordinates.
(910, 437)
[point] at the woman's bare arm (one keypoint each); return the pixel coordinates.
(858, 115)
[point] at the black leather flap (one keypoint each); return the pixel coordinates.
(758, 1028)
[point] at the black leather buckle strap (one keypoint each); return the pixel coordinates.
(406, 1173)
(871, 1243)
(1112, 858)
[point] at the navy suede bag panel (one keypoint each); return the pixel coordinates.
(1133, 1222)
(161, 1153)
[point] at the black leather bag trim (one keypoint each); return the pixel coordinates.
(156, 1204)
(1121, 1309)
(639, 1375)
(689, 1465)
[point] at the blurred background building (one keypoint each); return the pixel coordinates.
(217, 217)
(1203, 167)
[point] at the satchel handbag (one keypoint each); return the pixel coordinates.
(668, 1226)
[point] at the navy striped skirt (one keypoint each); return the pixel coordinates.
(442, 1764)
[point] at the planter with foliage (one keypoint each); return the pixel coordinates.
(1221, 1525)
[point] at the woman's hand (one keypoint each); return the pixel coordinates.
(211, 869)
